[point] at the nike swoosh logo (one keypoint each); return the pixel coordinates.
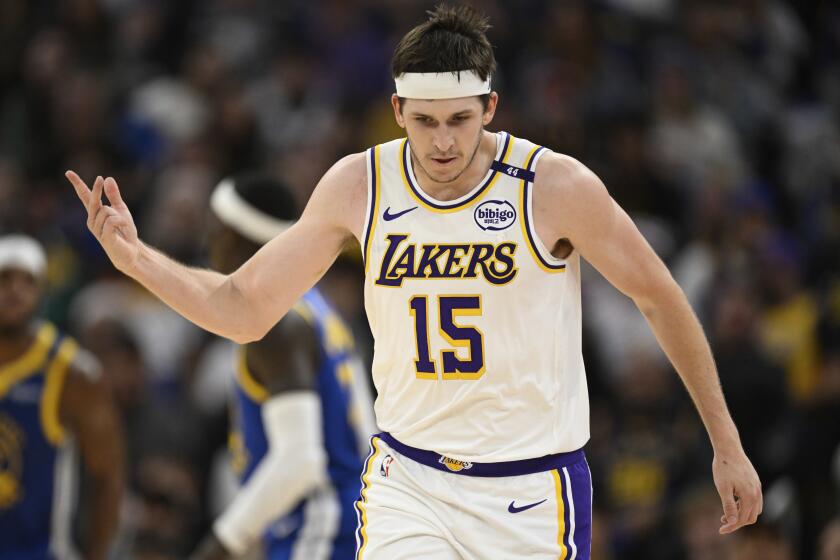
(513, 509)
(387, 216)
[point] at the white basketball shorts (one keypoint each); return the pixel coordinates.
(419, 504)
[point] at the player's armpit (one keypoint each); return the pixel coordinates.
(571, 202)
(88, 411)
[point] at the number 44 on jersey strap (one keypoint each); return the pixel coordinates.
(469, 338)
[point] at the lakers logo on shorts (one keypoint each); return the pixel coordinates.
(11, 462)
(454, 465)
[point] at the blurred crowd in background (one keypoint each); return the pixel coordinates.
(716, 124)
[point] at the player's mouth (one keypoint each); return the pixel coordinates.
(443, 162)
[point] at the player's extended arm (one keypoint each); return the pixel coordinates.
(285, 362)
(576, 203)
(244, 305)
(87, 409)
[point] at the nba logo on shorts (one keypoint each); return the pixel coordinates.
(386, 466)
(495, 215)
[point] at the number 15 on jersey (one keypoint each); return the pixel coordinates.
(469, 338)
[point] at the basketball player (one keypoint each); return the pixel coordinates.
(302, 410)
(51, 393)
(472, 243)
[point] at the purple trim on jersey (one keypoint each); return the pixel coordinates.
(504, 468)
(531, 240)
(476, 194)
(512, 170)
(373, 187)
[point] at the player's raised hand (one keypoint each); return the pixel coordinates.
(112, 225)
(739, 489)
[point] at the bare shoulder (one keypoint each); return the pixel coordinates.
(568, 196)
(341, 194)
(84, 388)
(563, 175)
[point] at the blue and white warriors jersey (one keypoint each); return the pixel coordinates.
(32, 451)
(323, 524)
(477, 327)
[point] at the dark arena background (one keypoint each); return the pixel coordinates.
(716, 124)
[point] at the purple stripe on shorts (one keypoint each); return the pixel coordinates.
(581, 483)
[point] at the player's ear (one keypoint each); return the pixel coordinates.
(490, 110)
(397, 105)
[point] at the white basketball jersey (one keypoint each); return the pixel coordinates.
(477, 327)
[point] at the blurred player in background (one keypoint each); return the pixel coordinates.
(53, 399)
(472, 243)
(302, 414)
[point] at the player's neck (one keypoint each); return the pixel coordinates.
(468, 179)
(14, 342)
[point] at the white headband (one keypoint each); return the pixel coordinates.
(248, 221)
(23, 252)
(443, 85)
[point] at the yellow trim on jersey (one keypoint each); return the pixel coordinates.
(363, 494)
(425, 204)
(376, 172)
(51, 399)
(30, 362)
(301, 308)
(255, 391)
(561, 522)
(524, 200)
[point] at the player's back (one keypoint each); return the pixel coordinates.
(31, 448)
(325, 518)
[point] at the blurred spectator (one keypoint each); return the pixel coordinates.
(698, 509)
(829, 545)
(755, 388)
(763, 542)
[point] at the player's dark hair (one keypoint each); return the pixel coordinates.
(266, 194)
(451, 40)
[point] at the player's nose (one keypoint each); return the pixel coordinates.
(444, 141)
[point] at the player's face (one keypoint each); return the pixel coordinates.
(444, 134)
(19, 295)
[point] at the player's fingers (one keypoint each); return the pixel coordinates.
(112, 225)
(750, 502)
(82, 190)
(96, 193)
(94, 204)
(757, 501)
(730, 510)
(112, 191)
(105, 212)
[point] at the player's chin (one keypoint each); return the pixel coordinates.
(445, 176)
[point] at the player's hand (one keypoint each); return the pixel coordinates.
(739, 489)
(112, 225)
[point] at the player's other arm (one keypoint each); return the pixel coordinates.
(577, 206)
(285, 363)
(88, 411)
(244, 305)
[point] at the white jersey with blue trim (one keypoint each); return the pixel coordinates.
(477, 327)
